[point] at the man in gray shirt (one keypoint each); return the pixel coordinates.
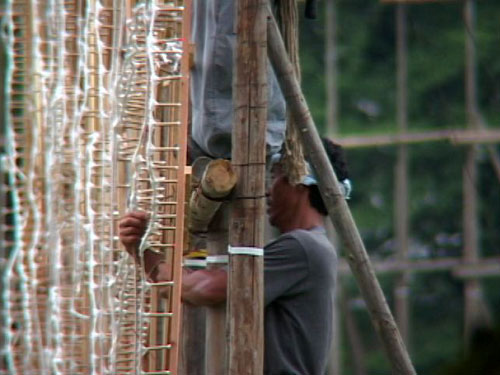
(299, 273)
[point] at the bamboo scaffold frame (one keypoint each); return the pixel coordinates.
(97, 95)
(470, 268)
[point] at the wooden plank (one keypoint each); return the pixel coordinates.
(245, 293)
(192, 340)
(181, 140)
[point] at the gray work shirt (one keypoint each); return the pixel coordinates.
(300, 270)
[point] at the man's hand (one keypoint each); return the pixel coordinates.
(131, 230)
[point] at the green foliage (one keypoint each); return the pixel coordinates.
(367, 93)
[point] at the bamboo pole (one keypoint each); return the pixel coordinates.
(482, 269)
(4, 95)
(401, 220)
(180, 137)
(192, 355)
(4, 183)
(192, 340)
(475, 310)
(208, 214)
(416, 1)
(352, 332)
(217, 182)
(245, 276)
(215, 348)
(340, 215)
(457, 137)
(489, 266)
(331, 62)
(293, 155)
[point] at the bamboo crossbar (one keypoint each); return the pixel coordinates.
(482, 268)
(458, 137)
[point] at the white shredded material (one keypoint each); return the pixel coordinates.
(92, 99)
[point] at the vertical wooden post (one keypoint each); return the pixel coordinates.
(401, 174)
(192, 355)
(245, 293)
(4, 69)
(332, 101)
(4, 250)
(474, 309)
(215, 348)
(356, 344)
(332, 125)
(193, 327)
(180, 134)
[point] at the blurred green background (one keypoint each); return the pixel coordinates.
(366, 50)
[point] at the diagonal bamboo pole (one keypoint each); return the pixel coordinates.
(339, 212)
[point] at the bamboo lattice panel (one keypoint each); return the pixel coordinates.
(95, 126)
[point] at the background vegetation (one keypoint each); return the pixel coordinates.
(367, 91)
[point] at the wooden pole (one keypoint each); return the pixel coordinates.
(293, 155)
(332, 101)
(358, 351)
(245, 277)
(4, 69)
(192, 355)
(193, 327)
(215, 348)
(4, 182)
(401, 175)
(484, 267)
(217, 182)
(471, 91)
(208, 214)
(340, 215)
(456, 137)
(179, 135)
(474, 310)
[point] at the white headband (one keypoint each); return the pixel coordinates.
(310, 178)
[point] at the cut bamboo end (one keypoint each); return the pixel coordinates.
(219, 179)
(217, 183)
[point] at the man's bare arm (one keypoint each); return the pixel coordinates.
(203, 287)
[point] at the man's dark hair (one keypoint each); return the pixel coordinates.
(337, 159)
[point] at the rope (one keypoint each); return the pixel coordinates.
(293, 157)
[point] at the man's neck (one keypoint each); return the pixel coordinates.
(306, 220)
